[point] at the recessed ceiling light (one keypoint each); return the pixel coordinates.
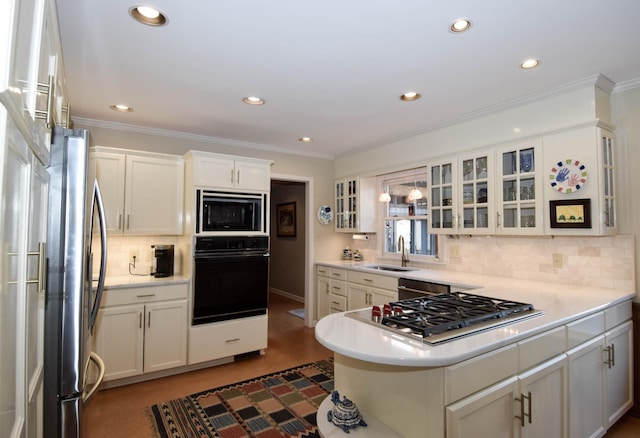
(253, 100)
(148, 15)
(460, 25)
(529, 63)
(410, 95)
(305, 139)
(121, 108)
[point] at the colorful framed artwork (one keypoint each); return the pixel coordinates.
(574, 213)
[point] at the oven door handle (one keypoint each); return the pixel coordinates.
(209, 256)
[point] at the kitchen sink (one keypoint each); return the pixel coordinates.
(389, 268)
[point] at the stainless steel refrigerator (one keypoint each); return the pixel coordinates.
(76, 218)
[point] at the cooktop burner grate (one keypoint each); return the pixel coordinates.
(441, 317)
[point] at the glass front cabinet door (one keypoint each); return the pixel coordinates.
(519, 191)
(442, 199)
(475, 214)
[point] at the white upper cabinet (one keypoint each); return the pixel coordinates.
(142, 193)
(519, 188)
(216, 171)
(443, 200)
(475, 189)
(461, 194)
(356, 205)
(35, 88)
(580, 193)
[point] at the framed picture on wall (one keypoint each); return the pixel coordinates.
(570, 213)
(286, 217)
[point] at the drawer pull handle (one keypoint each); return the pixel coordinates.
(232, 340)
(611, 356)
(146, 296)
(335, 302)
(368, 279)
(523, 414)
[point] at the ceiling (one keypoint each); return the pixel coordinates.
(332, 70)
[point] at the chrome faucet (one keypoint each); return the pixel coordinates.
(405, 257)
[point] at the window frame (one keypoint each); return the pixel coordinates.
(418, 177)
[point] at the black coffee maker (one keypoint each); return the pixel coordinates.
(163, 255)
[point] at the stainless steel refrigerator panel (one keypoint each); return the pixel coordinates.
(70, 301)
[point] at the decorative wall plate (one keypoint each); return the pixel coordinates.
(325, 214)
(568, 176)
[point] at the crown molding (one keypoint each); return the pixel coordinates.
(195, 137)
(626, 85)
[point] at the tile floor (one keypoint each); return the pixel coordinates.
(120, 412)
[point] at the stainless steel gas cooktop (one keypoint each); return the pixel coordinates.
(434, 319)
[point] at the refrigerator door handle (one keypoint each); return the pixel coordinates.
(90, 391)
(103, 256)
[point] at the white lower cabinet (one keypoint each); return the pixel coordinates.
(489, 413)
(146, 331)
(226, 339)
(600, 382)
(365, 289)
(323, 291)
(530, 405)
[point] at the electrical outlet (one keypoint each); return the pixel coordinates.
(556, 260)
(134, 253)
(455, 251)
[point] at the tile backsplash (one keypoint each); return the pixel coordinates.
(589, 261)
(120, 248)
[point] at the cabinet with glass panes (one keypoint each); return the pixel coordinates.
(594, 148)
(442, 200)
(476, 211)
(461, 192)
(355, 205)
(519, 189)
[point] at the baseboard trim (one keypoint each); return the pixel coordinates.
(291, 296)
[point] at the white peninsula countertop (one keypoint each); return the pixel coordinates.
(560, 304)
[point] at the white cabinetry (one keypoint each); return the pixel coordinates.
(462, 198)
(519, 189)
(227, 338)
(338, 291)
(24, 189)
(356, 202)
(600, 372)
(323, 291)
(209, 170)
(365, 289)
(593, 148)
(539, 409)
(142, 329)
(142, 193)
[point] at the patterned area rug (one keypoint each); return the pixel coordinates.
(283, 404)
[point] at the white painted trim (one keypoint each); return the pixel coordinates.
(289, 295)
(309, 301)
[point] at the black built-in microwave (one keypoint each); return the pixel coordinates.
(231, 213)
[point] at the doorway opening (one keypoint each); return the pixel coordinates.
(290, 246)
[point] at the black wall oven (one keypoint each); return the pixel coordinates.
(231, 278)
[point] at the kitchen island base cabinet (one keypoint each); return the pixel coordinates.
(406, 399)
(530, 405)
(601, 382)
(227, 338)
